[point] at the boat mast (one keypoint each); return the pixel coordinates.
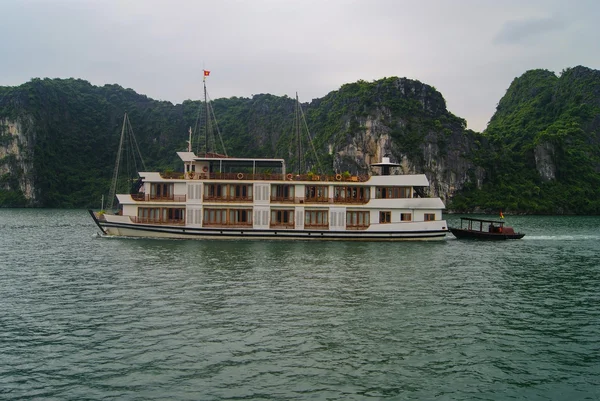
(190, 147)
(113, 187)
(298, 135)
(131, 154)
(207, 116)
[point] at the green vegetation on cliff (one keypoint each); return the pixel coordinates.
(71, 131)
(541, 152)
(407, 110)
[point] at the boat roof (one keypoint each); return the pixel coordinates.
(413, 180)
(482, 220)
(232, 161)
(385, 164)
(385, 161)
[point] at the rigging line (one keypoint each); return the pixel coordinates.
(311, 141)
(296, 140)
(197, 129)
(131, 153)
(132, 163)
(214, 117)
(210, 136)
(136, 147)
(126, 168)
(212, 122)
(298, 134)
(113, 187)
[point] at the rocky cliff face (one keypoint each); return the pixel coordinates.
(16, 158)
(407, 121)
(545, 161)
(444, 162)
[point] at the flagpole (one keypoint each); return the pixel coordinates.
(205, 74)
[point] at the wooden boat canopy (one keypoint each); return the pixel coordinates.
(470, 220)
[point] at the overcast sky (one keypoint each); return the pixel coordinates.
(470, 50)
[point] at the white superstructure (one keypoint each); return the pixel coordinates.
(224, 197)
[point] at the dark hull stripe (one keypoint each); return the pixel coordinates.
(261, 233)
(459, 233)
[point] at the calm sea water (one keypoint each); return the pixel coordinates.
(89, 318)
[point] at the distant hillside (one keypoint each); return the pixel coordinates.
(542, 151)
(58, 138)
(539, 154)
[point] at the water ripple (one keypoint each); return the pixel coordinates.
(86, 317)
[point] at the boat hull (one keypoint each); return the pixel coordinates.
(121, 229)
(483, 235)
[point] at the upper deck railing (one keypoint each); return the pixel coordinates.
(319, 199)
(265, 177)
(142, 197)
(148, 220)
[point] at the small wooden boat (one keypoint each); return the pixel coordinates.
(484, 229)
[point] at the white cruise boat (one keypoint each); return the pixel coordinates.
(217, 196)
(225, 197)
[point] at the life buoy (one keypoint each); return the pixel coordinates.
(289, 176)
(205, 169)
(240, 176)
(338, 177)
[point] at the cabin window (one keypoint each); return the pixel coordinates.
(240, 192)
(392, 192)
(239, 216)
(215, 216)
(382, 193)
(351, 194)
(225, 192)
(282, 192)
(357, 220)
(429, 216)
(175, 215)
(161, 191)
(161, 215)
(282, 218)
(316, 218)
(385, 217)
(316, 193)
(212, 191)
(405, 216)
(227, 217)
